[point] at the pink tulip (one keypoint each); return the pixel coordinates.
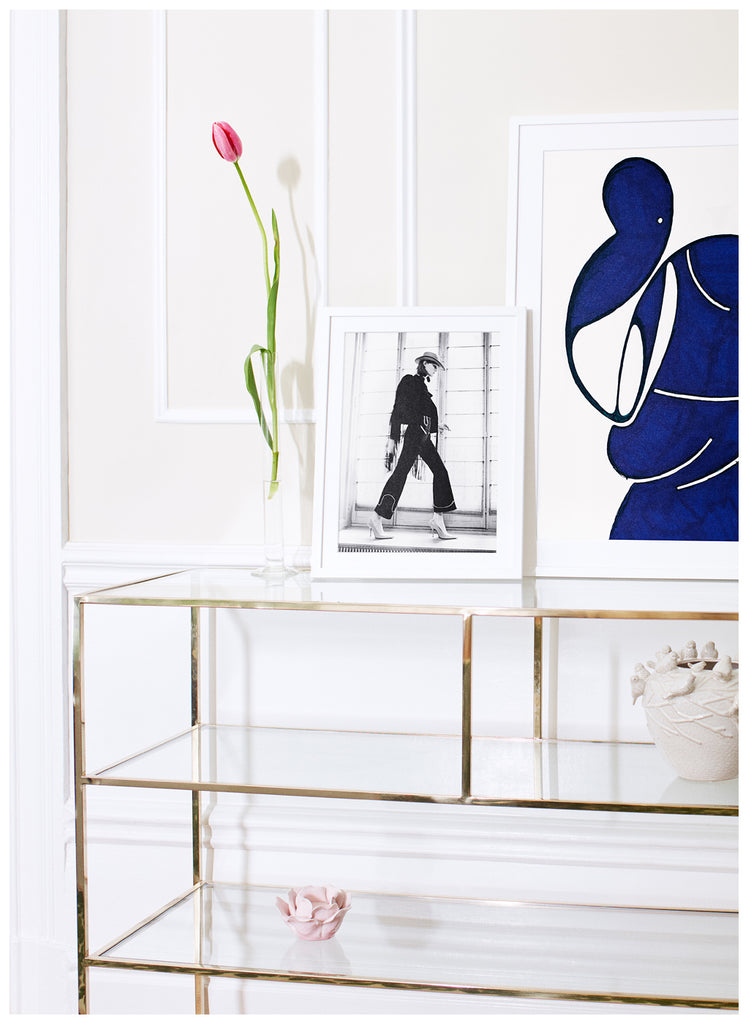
(229, 147)
(226, 141)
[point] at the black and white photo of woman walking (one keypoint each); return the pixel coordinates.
(426, 403)
(415, 410)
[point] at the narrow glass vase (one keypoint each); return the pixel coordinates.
(274, 568)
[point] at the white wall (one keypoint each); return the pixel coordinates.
(158, 460)
(320, 107)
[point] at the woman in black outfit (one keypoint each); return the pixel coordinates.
(415, 408)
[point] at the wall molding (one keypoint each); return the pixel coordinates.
(42, 942)
(407, 159)
(165, 412)
(406, 198)
(322, 147)
(541, 856)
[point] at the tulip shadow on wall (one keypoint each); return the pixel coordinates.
(675, 412)
(296, 382)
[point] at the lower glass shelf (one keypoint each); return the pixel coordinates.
(682, 958)
(632, 776)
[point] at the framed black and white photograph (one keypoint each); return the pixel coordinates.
(420, 446)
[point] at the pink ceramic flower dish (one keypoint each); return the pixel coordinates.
(314, 912)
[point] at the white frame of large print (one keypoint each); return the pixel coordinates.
(364, 356)
(558, 218)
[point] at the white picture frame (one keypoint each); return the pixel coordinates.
(362, 355)
(569, 512)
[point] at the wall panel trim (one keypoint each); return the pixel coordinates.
(42, 889)
(407, 159)
(594, 858)
(165, 412)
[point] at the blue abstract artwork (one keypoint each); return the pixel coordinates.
(675, 414)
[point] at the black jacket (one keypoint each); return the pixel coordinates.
(413, 406)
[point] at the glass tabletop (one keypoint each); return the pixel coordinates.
(241, 588)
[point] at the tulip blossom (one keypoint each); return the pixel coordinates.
(314, 912)
(229, 146)
(226, 141)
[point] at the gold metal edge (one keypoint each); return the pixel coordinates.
(229, 787)
(81, 890)
(537, 678)
(478, 801)
(467, 705)
(722, 810)
(99, 597)
(413, 986)
(196, 736)
(202, 1004)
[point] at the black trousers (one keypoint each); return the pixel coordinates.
(415, 443)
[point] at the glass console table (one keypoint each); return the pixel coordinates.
(589, 953)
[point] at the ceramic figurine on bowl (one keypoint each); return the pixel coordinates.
(692, 710)
(689, 654)
(709, 652)
(314, 912)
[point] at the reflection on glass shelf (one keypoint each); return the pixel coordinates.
(239, 587)
(303, 759)
(575, 771)
(494, 946)
(399, 764)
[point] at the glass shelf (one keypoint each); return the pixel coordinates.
(594, 598)
(613, 954)
(419, 767)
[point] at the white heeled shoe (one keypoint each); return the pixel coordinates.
(438, 529)
(376, 527)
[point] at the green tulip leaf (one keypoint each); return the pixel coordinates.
(253, 390)
(271, 320)
(273, 291)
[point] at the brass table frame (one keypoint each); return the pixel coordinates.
(202, 973)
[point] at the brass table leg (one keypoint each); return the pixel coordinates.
(80, 808)
(201, 981)
(537, 705)
(467, 699)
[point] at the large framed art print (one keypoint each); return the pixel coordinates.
(624, 243)
(420, 444)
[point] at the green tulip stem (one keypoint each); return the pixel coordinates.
(269, 352)
(259, 225)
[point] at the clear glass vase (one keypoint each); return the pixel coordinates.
(274, 568)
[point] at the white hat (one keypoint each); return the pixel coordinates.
(429, 357)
